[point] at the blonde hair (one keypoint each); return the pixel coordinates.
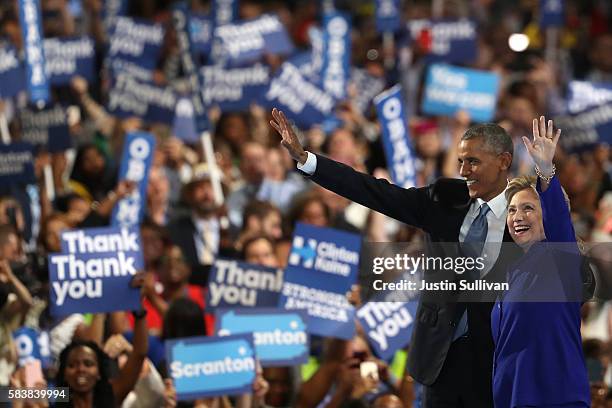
(521, 183)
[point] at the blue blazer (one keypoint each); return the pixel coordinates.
(538, 359)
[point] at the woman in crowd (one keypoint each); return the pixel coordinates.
(83, 368)
(538, 360)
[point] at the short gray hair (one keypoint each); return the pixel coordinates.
(495, 138)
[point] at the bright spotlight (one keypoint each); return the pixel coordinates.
(518, 42)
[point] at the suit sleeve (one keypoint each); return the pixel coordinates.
(411, 206)
(558, 225)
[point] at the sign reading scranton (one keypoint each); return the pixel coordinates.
(325, 250)
(280, 336)
(211, 366)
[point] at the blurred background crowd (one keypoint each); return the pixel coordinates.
(186, 227)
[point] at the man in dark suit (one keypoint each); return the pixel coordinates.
(452, 348)
(199, 233)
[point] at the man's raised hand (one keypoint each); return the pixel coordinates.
(290, 140)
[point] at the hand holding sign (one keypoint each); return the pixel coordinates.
(290, 140)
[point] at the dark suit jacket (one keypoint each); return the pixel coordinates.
(438, 209)
(182, 231)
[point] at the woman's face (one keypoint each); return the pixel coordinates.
(82, 372)
(93, 162)
(174, 268)
(261, 252)
(314, 214)
(52, 237)
(525, 218)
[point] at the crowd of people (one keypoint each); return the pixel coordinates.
(118, 359)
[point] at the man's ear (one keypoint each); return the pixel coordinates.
(505, 160)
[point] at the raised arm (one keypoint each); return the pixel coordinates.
(555, 210)
(410, 206)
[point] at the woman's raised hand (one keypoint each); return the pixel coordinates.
(542, 147)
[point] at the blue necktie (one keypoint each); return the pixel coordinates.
(472, 246)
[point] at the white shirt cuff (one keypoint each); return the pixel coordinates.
(310, 166)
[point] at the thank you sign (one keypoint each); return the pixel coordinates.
(94, 270)
(239, 284)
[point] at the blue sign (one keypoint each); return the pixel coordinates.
(450, 89)
(387, 325)
(280, 336)
(200, 32)
(336, 54)
(447, 40)
(31, 31)
(300, 99)
(248, 41)
(588, 120)
(136, 41)
(325, 250)
(26, 342)
(113, 9)
(180, 17)
(46, 127)
(400, 155)
(31, 345)
(322, 267)
(583, 95)
(211, 366)
(184, 126)
(130, 96)
(94, 270)
(234, 284)
(66, 58)
(138, 151)
(551, 13)
(16, 164)
(12, 73)
(224, 11)
(234, 89)
(310, 62)
(322, 296)
(388, 16)
(368, 85)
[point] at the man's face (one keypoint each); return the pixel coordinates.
(202, 198)
(485, 171)
(253, 163)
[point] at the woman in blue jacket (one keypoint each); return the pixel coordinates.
(538, 359)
